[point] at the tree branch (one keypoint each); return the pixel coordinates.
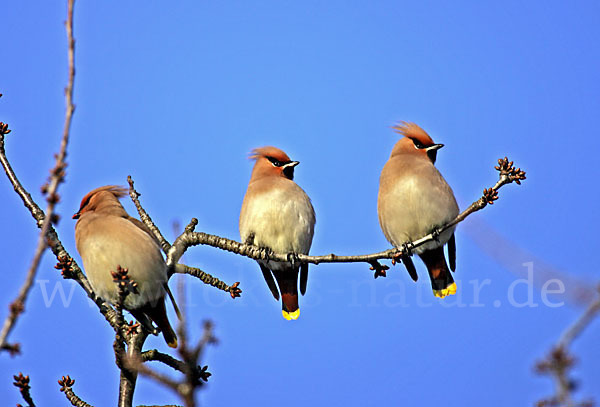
(22, 383)
(144, 217)
(57, 176)
(68, 266)
(206, 278)
(194, 375)
(578, 326)
(66, 386)
(559, 362)
(155, 355)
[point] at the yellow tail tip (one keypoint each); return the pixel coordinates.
(450, 290)
(172, 344)
(291, 315)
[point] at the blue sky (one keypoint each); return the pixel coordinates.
(177, 94)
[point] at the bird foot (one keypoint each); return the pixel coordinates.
(293, 259)
(407, 249)
(267, 253)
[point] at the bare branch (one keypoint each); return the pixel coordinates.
(57, 175)
(584, 320)
(206, 278)
(145, 217)
(22, 383)
(66, 386)
(155, 355)
(559, 362)
(194, 375)
(69, 267)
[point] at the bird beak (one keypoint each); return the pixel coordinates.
(291, 164)
(434, 147)
(76, 216)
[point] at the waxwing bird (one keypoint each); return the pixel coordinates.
(414, 199)
(277, 214)
(107, 237)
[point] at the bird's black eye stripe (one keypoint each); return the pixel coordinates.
(276, 162)
(418, 144)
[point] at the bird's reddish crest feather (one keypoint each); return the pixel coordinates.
(269, 151)
(413, 131)
(116, 190)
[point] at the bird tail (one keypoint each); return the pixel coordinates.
(441, 279)
(158, 314)
(287, 280)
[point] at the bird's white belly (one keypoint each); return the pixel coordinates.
(284, 225)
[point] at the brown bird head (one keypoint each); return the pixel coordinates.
(105, 199)
(415, 141)
(271, 161)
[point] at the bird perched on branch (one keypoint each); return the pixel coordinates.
(277, 214)
(106, 238)
(414, 200)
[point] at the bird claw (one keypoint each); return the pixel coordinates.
(435, 234)
(293, 258)
(407, 249)
(267, 253)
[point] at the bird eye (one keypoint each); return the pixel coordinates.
(275, 162)
(418, 144)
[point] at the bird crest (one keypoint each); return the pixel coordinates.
(269, 151)
(116, 190)
(414, 132)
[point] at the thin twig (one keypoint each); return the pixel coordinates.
(578, 326)
(66, 386)
(559, 362)
(50, 189)
(194, 375)
(69, 267)
(206, 278)
(155, 355)
(145, 217)
(22, 383)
